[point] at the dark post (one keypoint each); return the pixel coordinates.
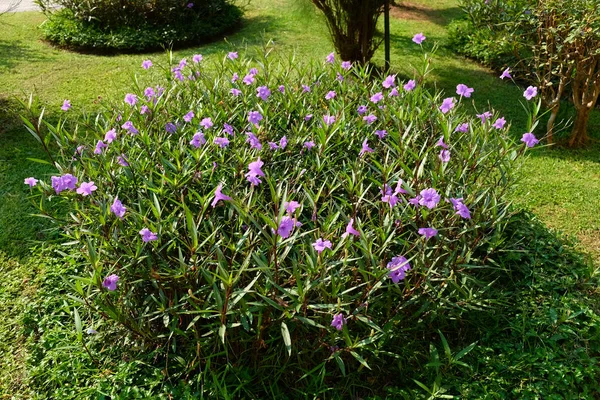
(386, 33)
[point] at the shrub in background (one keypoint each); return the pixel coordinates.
(552, 44)
(107, 25)
(282, 217)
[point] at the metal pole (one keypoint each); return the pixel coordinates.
(386, 33)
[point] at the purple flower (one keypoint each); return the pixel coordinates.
(253, 140)
(228, 129)
(235, 92)
(170, 127)
(146, 64)
(234, 77)
(308, 117)
(122, 160)
(393, 92)
(499, 124)
(429, 198)
(389, 196)
(463, 211)
(330, 95)
(128, 125)
(255, 167)
(428, 233)
(389, 81)
(338, 321)
(110, 282)
(506, 74)
(530, 92)
(91, 331)
(182, 63)
(281, 88)
(321, 245)
(30, 181)
(369, 119)
(273, 145)
(131, 99)
(254, 117)
(232, 55)
(441, 143)
(263, 92)
(377, 97)
(485, 116)
(66, 105)
(248, 79)
(191, 5)
(309, 145)
(328, 119)
(221, 141)
(305, 89)
(86, 188)
(410, 85)
(398, 268)
(197, 57)
(188, 117)
(462, 128)
(447, 105)
(365, 148)
(460, 208)
(339, 77)
(419, 38)
(148, 235)
(253, 71)
(529, 139)
(198, 139)
(350, 229)
(283, 142)
(330, 58)
(346, 65)
(463, 90)
(285, 226)
(444, 156)
(361, 110)
(149, 93)
(206, 123)
(415, 200)
(291, 206)
(99, 146)
(381, 133)
(117, 208)
(219, 196)
(144, 109)
(254, 171)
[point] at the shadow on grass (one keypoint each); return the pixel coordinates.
(15, 52)
(19, 230)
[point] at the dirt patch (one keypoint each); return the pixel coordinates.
(415, 12)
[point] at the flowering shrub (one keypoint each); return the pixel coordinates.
(260, 213)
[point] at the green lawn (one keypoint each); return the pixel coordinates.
(559, 185)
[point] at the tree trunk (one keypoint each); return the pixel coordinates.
(550, 126)
(579, 136)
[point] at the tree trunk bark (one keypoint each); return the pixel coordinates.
(551, 121)
(579, 136)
